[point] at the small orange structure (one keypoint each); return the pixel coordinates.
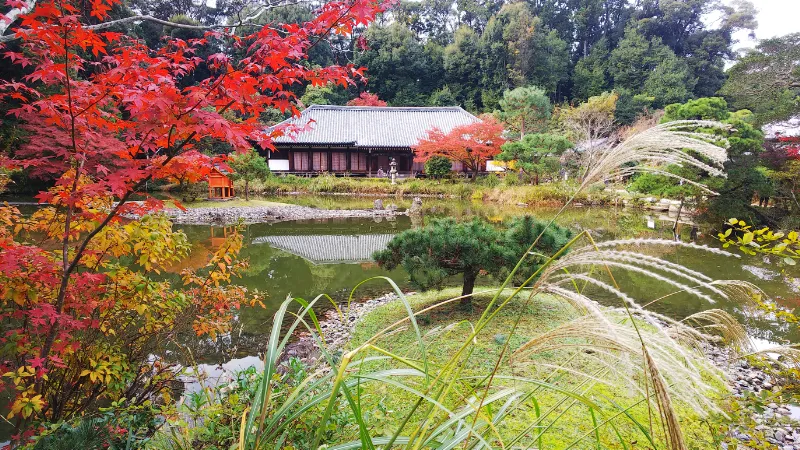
(219, 185)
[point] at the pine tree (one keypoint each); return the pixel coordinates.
(249, 166)
(446, 248)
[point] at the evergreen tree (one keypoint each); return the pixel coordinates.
(462, 68)
(591, 73)
(249, 166)
(443, 249)
(744, 178)
(767, 79)
(446, 248)
(400, 68)
(536, 154)
(525, 109)
(670, 81)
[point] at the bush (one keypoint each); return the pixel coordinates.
(511, 179)
(491, 180)
(438, 167)
(190, 192)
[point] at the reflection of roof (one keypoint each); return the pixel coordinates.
(373, 126)
(327, 249)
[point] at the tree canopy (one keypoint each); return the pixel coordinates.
(446, 248)
(472, 145)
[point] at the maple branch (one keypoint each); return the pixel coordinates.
(148, 18)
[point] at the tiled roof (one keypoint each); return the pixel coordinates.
(374, 126)
(327, 249)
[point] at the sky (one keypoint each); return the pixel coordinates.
(775, 18)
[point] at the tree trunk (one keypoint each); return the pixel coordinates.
(469, 286)
(677, 219)
(247, 190)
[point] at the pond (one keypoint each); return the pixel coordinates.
(309, 258)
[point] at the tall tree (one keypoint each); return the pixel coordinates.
(642, 65)
(525, 109)
(126, 118)
(767, 79)
(462, 68)
(591, 75)
(401, 69)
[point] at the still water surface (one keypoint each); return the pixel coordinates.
(308, 258)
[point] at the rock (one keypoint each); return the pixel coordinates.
(416, 206)
(780, 436)
(377, 204)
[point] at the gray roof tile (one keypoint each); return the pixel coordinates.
(374, 126)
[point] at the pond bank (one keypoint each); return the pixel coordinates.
(224, 215)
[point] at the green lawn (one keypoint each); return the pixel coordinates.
(444, 331)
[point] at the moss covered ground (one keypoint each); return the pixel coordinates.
(566, 421)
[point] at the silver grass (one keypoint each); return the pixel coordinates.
(674, 142)
(684, 377)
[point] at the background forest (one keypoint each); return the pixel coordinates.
(468, 52)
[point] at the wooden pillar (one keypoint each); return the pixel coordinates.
(291, 161)
(369, 165)
(348, 156)
(330, 161)
(310, 160)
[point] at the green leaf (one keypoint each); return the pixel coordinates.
(747, 238)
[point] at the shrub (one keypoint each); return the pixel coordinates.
(512, 179)
(190, 192)
(491, 180)
(438, 167)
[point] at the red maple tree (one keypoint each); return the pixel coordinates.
(366, 99)
(104, 115)
(472, 144)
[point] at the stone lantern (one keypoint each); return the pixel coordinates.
(393, 171)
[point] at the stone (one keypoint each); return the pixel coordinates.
(377, 204)
(416, 206)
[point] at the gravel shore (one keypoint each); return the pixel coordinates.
(260, 214)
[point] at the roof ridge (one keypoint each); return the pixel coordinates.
(388, 108)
